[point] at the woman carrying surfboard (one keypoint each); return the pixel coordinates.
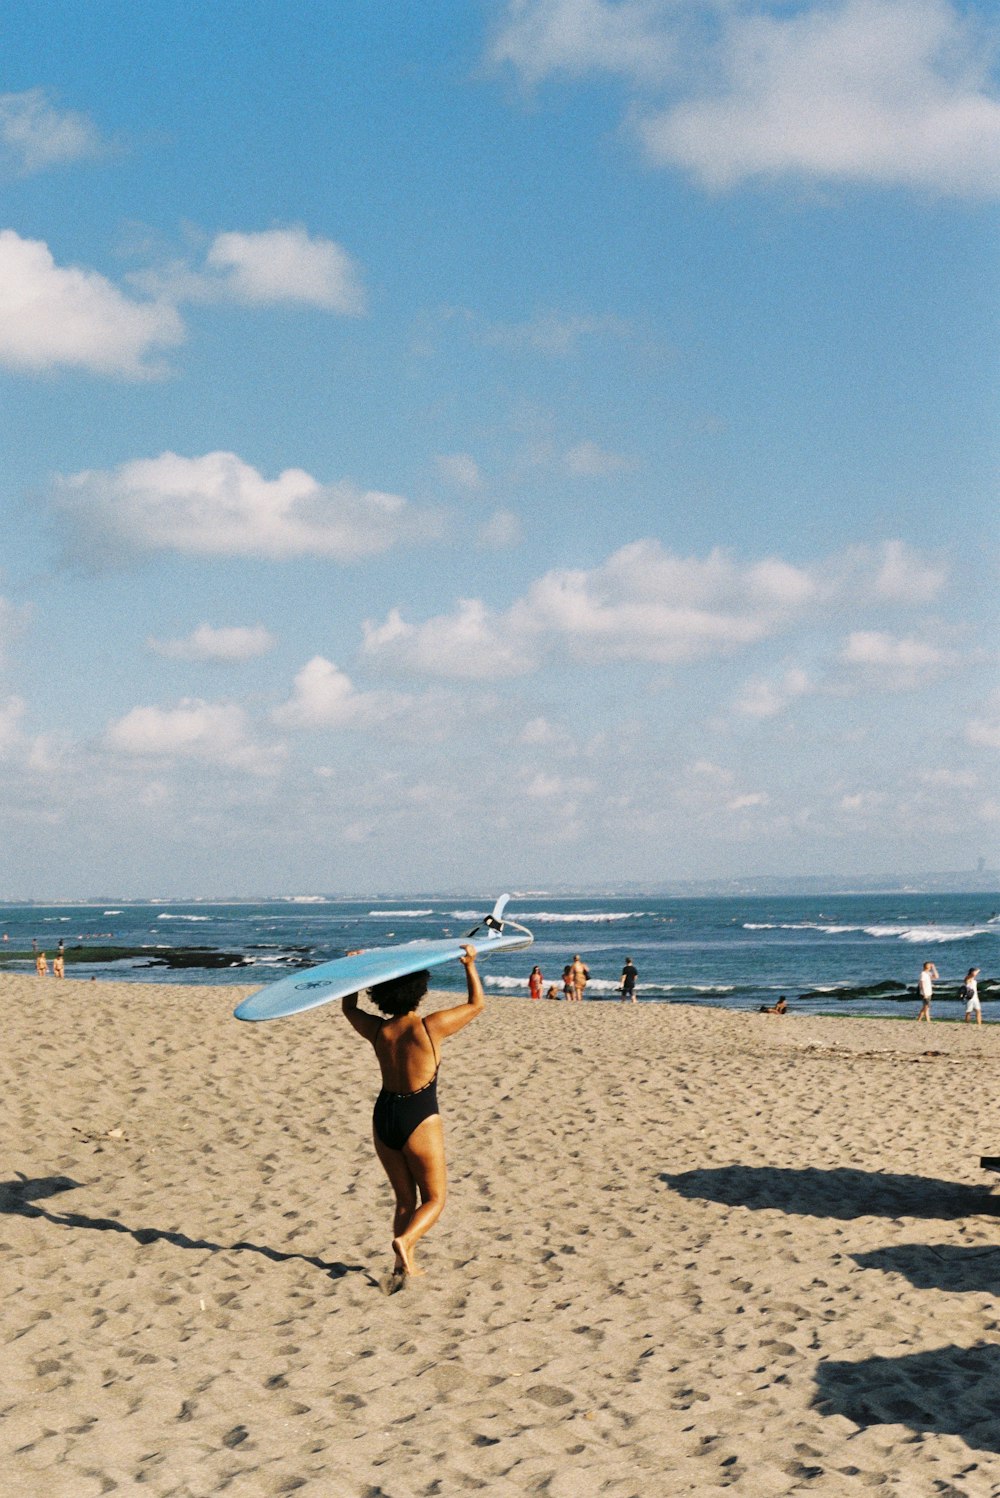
(406, 1124)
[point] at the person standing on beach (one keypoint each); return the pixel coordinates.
(629, 975)
(41, 965)
(535, 982)
(580, 974)
(970, 993)
(567, 982)
(925, 987)
(406, 1124)
(59, 965)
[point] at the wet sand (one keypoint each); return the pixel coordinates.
(686, 1251)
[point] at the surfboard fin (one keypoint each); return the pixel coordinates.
(495, 922)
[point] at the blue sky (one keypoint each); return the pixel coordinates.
(516, 443)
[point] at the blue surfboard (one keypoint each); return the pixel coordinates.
(344, 975)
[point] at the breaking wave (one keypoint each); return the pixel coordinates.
(396, 915)
(919, 934)
(544, 917)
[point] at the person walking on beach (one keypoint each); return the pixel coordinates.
(535, 982)
(581, 975)
(925, 987)
(970, 993)
(629, 975)
(406, 1124)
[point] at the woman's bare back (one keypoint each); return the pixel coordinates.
(406, 1054)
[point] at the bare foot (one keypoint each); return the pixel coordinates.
(404, 1264)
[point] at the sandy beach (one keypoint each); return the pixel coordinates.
(685, 1251)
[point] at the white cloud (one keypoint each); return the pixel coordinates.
(762, 698)
(942, 779)
(539, 732)
(588, 460)
(12, 710)
(750, 801)
(551, 333)
(263, 268)
(206, 643)
(906, 577)
(542, 787)
(217, 505)
(460, 470)
(871, 91)
(53, 316)
(34, 134)
(896, 663)
(502, 530)
(323, 696)
(468, 644)
(887, 91)
(707, 769)
(539, 37)
(214, 732)
(984, 732)
(642, 604)
(709, 792)
(287, 265)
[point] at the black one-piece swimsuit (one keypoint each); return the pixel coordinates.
(397, 1114)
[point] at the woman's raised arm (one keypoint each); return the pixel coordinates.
(365, 1024)
(447, 1022)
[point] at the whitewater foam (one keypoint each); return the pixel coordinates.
(897, 932)
(553, 917)
(396, 915)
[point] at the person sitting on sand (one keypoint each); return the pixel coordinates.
(553, 992)
(406, 1124)
(535, 981)
(781, 1007)
(925, 987)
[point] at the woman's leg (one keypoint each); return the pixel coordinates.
(424, 1155)
(404, 1186)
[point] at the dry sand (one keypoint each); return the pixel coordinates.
(686, 1251)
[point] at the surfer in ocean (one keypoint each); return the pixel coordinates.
(406, 1125)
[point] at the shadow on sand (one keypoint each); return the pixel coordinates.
(941, 1266)
(949, 1391)
(842, 1193)
(18, 1198)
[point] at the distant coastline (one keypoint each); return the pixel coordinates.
(979, 881)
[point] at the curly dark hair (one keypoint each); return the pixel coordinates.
(401, 995)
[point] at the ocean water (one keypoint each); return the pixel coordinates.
(834, 953)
